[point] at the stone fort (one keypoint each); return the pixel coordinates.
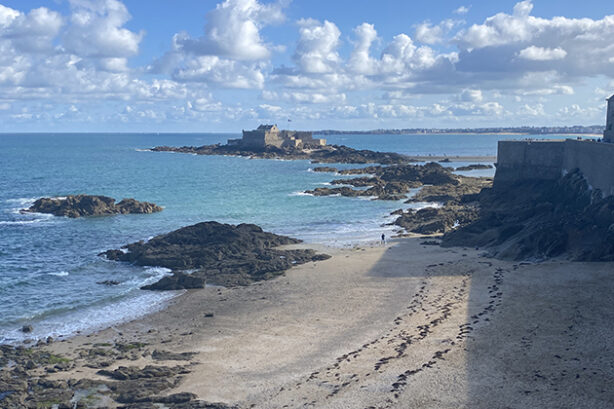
(550, 159)
(270, 135)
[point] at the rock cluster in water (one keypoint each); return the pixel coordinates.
(386, 182)
(222, 254)
(325, 154)
(455, 195)
(542, 219)
(88, 205)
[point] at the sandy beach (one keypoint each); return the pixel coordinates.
(401, 326)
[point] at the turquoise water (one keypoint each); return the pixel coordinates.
(49, 266)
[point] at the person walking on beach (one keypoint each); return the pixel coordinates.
(383, 239)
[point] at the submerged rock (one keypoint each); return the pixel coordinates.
(474, 166)
(223, 254)
(87, 205)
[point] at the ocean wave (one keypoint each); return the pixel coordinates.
(19, 222)
(60, 274)
(299, 193)
(91, 318)
(22, 201)
(143, 150)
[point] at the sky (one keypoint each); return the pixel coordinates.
(227, 65)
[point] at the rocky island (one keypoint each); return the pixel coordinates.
(269, 142)
(217, 253)
(87, 205)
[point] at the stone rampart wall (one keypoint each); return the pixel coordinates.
(522, 160)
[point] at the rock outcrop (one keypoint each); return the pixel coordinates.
(222, 254)
(87, 205)
(324, 154)
(542, 219)
(178, 281)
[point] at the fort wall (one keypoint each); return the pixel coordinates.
(548, 160)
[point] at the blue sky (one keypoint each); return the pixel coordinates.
(226, 65)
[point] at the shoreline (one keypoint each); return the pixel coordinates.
(353, 330)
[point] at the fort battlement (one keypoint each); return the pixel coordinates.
(271, 136)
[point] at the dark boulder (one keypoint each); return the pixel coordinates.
(220, 253)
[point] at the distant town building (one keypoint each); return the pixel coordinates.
(271, 135)
(608, 134)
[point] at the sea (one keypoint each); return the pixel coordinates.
(49, 266)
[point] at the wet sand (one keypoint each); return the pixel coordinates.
(401, 326)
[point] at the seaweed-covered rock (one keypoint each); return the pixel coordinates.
(88, 205)
(221, 253)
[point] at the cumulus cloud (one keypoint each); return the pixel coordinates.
(360, 61)
(96, 31)
(31, 32)
(428, 33)
(542, 54)
(316, 51)
(215, 70)
(471, 95)
(232, 30)
(230, 54)
(521, 42)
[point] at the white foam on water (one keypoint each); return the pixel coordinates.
(22, 201)
(60, 274)
(94, 317)
(18, 222)
(299, 193)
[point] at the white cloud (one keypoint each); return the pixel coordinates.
(428, 33)
(534, 53)
(471, 95)
(232, 30)
(532, 110)
(461, 10)
(316, 51)
(360, 61)
(231, 53)
(223, 72)
(32, 32)
(96, 30)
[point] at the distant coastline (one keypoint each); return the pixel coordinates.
(592, 130)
